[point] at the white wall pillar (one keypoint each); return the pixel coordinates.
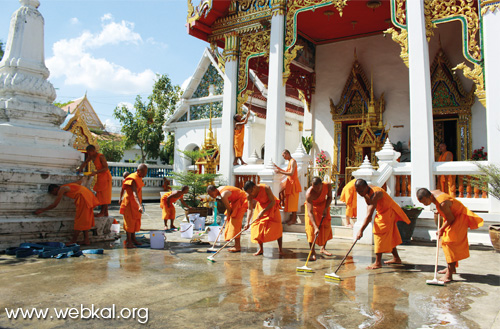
(248, 138)
(275, 116)
(229, 109)
(421, 124)
(491, 31)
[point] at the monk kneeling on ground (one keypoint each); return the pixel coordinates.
(457, 219)
(385, 231)
(264, 208)
(318, 200)
(85, 201)
(236, 204)
(167, 205)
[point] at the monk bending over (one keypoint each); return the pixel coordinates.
(239, 136)
(350, 199)
(457, 219)
(385, 231)
(85, 201)
(131, 205)
(103, 184)
(318, 200)
(264, 208)
(292, 187)
(236, 204)
(167, 205)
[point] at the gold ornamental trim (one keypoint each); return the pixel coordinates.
(195, 13)
(477, 76)
(489, 6)
(400, 37)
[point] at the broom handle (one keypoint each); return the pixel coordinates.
(237, 235)
(314, 242)
(218, 235)
(343, 260)
(437, 248)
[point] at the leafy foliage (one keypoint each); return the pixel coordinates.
(489, 180)
(167, 152)
(308, 143)
(1, 49)
(112, 149)
(144, 126)
(479, 154)
(60, 105)
(197, 185)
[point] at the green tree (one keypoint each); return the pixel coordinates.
(197, 185)
(167, 152)
(1, 49)
(112, 149)
(144, 126)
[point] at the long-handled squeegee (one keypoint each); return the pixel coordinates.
(333, 275)
(305, 269)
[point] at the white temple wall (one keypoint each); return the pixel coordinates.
(380, 55)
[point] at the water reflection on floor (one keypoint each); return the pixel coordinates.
(182, 289)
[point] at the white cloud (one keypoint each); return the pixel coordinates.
(112, 126)
(159, 44)
(74, 21)
(128, 105)
(74, 61)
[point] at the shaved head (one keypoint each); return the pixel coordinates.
(211, 188)
(317, 181)
(362, 187)
(142, 170)
(360, 183)
(423, 193)
(90, 148)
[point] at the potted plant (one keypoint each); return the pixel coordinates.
(406, 230)
(197, 187)
(308, 143)
(489, 180)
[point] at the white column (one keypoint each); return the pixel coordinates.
(302, 159)
(421, 124)
(249, 147)
(229, 109)
(275, 116)
(491, 31)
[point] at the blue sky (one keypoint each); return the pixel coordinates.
(112, 48)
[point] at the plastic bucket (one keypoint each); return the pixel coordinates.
(157, 239)
(193, 217)
(213, 233)
(187, 230)
(115, 228)
(199, 224)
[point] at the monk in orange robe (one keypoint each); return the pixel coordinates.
(350, 198)
(236, 204)
(85, 201)
(292, 186)
(457, 219)
(446, 182)
(239, 136)
(318, 200)
(386, 234)
(167, 205)
(166, 185)
(264, 209)
(131, 205)
(103, 184)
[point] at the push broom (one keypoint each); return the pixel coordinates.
(212, 249)
(305, 269)
(435, 281)
(211, 258)
(333, 275)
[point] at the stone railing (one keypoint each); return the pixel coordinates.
(153, 182)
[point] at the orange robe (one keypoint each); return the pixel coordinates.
(129, 207)
(292, 190)
(103, 183)
(325, 230)
(350, 198)
(454, 239)
(447, 182)
(168, 209)
(85, 201)
(239, 205)
(239, 135)
(268, 227)
(385, 230)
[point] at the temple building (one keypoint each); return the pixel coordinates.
(368, 73)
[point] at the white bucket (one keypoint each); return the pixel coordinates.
(193, 217)
(213, 233)
(157, 239)
(199, 224)
(115, 228)
(187, 230)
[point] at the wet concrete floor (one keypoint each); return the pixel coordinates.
(181, 289)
